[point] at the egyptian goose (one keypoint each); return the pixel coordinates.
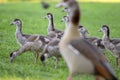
(112, 45)
(25, 41)
(80, 55)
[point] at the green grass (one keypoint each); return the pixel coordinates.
(93, 16)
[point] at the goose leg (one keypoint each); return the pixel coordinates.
(56, 62)
(36, 57)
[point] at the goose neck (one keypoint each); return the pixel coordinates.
(51, 25)
(106, 36)
(19, 29)
(83, 35)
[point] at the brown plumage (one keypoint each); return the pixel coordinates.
(80, 55)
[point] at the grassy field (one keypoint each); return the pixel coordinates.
(94, 15)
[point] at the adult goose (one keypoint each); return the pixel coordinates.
(80, 55)
(112, 45)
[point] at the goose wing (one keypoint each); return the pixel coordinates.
(93, 54)
(115, 41)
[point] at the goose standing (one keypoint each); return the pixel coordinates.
(80, 55)
(25, 41)
(111, 44)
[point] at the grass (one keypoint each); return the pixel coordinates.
(93, 16)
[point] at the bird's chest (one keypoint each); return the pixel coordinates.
(76, 62)
(20, 39)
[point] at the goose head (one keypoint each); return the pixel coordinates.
(49, 16)
(67, 10)
(83, 31)
(105, 29)
(16, 22)
(65, 19)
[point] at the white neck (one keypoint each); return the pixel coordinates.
(105, 37)
(84, 35)
(18, 30)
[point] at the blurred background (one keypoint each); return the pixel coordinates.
(4, 1)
